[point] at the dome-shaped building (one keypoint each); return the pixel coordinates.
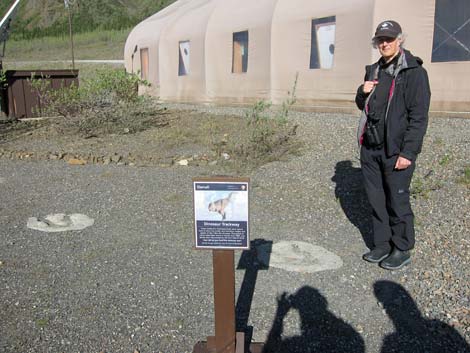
(239, 51)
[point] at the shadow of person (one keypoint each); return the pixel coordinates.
(249, 261)
(353, 198)
(321, 330)
(413, 333)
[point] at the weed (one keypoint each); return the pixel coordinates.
(422, 187)
(42, 323)
(445, 160)
(439, 141)
(465, 178)
(418, 188)
(264, 131)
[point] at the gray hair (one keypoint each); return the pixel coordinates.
(401, 37)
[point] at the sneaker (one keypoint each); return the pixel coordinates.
(376, 255)
(397, 259)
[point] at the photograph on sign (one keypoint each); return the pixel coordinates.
(221, 214)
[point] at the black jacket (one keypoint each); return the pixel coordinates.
(407, 117)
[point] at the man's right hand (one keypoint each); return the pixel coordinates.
(368, 86)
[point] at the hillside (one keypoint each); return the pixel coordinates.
(39, 18)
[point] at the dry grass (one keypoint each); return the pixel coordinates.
(90, 45)
(203, 138)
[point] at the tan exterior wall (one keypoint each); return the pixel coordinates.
(279, 48)
(232, 16)
(291, 46)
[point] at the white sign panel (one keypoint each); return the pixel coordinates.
(221, 213)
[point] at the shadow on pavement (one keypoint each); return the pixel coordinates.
(321, 330)
(413, 333)
(353, 198)
(250, 263)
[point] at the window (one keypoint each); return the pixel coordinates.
(240, 52)
(323, 43)
(183, 67)
(451, 40)
(144, 64)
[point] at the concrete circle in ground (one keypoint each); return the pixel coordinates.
(298, 256)
(60, 222)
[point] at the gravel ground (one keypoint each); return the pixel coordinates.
(133, 282)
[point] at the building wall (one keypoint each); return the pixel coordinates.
(279, 49)
(232, 16)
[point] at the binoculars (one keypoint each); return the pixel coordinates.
(374, 137)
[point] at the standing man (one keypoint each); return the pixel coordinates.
(394, 99)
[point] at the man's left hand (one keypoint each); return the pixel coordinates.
(402, 163)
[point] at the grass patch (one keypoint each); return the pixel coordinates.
(90, 45)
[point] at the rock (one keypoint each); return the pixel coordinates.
(60, 222)
(183, 162)
(66, 156)
(76, 161)
(297, 256)
(116, 158)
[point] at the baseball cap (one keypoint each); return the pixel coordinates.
(388, 28)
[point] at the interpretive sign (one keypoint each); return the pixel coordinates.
(221, 213)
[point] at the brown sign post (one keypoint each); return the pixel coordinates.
(221, 224)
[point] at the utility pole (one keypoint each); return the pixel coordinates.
(68, 4)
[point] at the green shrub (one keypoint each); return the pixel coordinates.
(268, 131)
(120, 85)
(268, 136)
(108, 103)
(107, 88)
